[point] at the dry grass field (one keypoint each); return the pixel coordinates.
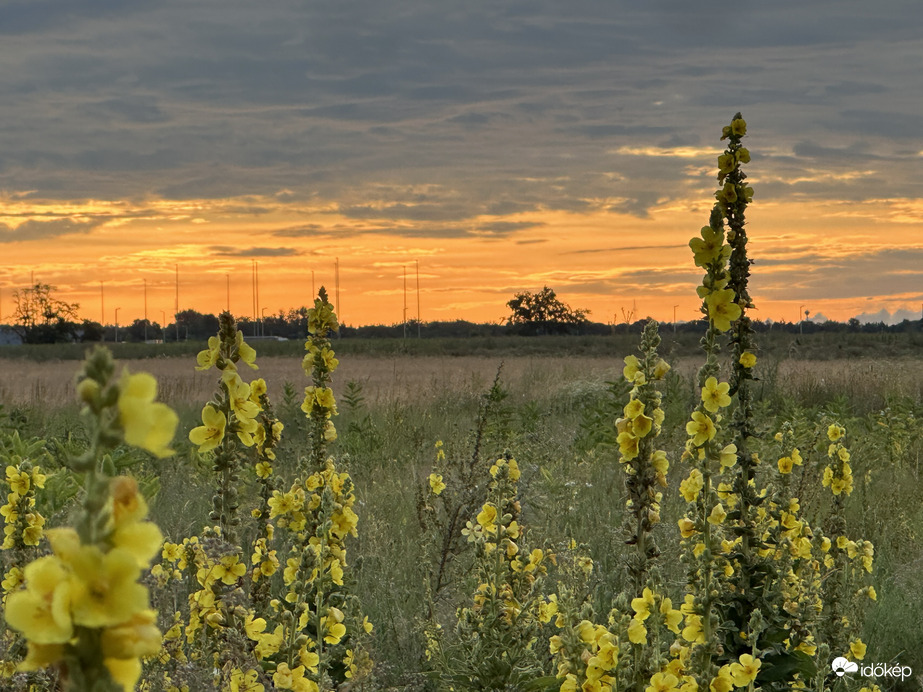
(405, 377)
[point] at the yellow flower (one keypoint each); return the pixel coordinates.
(686, 527)
(745, 672)
(715, 395)
(632, 370)
(718, 515)
(662, 682)
(835, 432)
(136, 638)
(142, 539)
(628, 445)
(124, 671)
(728, 456)
(105, 588)
(723, 682)
(146, 424)
(487, 518)
(701, 428)
(209, 356)
(642, 606)
(691, 486)
(786, 464)
(747, 359)
(245, 351)
(671, 617)
(239, 395)
(436, 484)
(857, 649)
(637, 632)
(709, 247)
(209, 435)
(722, 310)
(42, 611)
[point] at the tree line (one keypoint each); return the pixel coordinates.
(40, 317)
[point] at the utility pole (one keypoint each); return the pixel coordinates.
(145, 310)
(102, 310)
(117, 325)
(176, 305)
(313, 291)
(336, 280)
(405, 302)
(674, 318)
(800, 320)
(253, 292)
(228, 304)
(418, 298)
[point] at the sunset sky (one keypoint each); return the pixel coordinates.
(502, 145)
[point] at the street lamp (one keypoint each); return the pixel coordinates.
(117, 325)
(674, 318)
(262, 326)
(163, 324)
(800, 320)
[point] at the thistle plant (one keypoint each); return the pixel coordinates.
(83, 609)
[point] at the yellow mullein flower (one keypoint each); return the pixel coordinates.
(632, 370)
(334, 626)
(715, 395)
(209, 435)
(728, 456)
(722, 310)
(642, 606)
(209, 356)
(662, 682)
(691, 486)
(718, 515)
(747, 359)
(146, 424)
(239, 395)
(701, 428)
(786, 464)
(245, 351)
(628, 445)
(487, 518)
(637, 632)
(257, 389)
(686, 527)
(42, 611)
(746, 670)
(709, 247)
(723, 682)
(105, 587)
(857, 649)
(19, 481)
(671, 617)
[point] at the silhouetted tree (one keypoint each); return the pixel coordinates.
(40, 318)
(543, 313)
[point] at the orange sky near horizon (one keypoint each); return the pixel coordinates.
(613, 264)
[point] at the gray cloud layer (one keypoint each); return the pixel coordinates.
(499, 107)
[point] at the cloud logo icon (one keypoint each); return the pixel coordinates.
(841, 666)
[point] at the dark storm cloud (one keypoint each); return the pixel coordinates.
(227, 251)
(216, 99)
(35, 229)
